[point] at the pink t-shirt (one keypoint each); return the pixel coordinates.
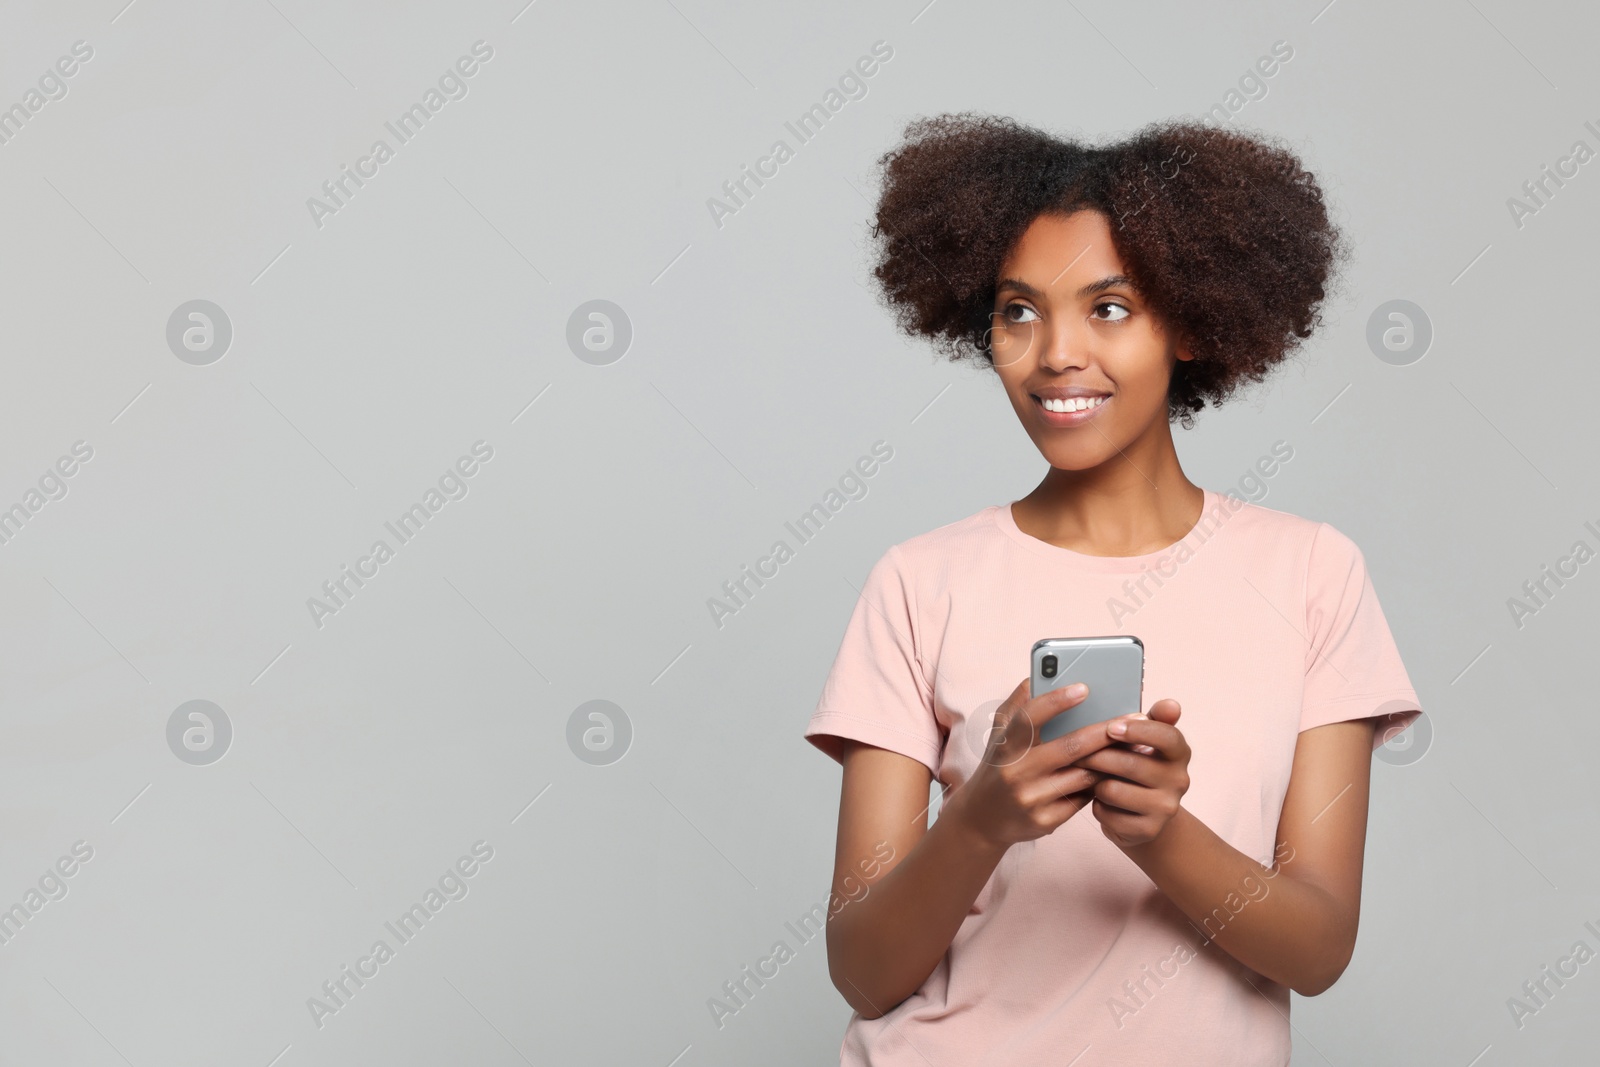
(1259, 623)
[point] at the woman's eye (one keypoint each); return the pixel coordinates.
(1012, 312)
(1113, 307)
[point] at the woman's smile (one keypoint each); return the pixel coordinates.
(1068, 407)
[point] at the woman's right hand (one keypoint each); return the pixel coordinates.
(1023, 789)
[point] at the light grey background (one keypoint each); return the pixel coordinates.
(431, 311)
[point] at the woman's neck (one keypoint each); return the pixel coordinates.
(1115, 509)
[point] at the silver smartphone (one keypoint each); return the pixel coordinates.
(1112, 668)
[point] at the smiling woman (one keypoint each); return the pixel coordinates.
(1109, 306)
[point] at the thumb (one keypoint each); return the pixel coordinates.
(1165, 710)
(1000, 719)
(1008, 742)
(1022, 693)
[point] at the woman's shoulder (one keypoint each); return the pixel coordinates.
(1256, 524)
(952, 540)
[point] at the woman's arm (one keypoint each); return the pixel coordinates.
(1296, 923)
(884, 944)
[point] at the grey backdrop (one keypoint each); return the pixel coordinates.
(372, 347)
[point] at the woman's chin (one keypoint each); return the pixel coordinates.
(1076, 459)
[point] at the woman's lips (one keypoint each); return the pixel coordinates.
(1071, 418)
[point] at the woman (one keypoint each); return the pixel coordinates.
(1113, 290)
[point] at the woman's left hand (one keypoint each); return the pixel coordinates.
(1136, 804)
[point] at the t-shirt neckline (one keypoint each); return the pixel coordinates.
(1001, 514)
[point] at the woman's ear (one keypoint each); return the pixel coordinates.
(1183, 352)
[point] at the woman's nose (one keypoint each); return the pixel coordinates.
(1063, 346)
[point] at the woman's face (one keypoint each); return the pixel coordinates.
(1069, 330)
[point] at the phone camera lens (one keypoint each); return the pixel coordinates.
(1047, 666)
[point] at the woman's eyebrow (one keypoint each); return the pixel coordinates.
(1108, 282)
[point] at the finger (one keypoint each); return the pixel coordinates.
(1066, 781)
(1017, 699)
(1011, 735)
(1163, 737)
(1020, 693)
(1109, 760)
(1041, 709)
(1128, 797)
(1069, 749)
(1011, 707)
(1166, 710)
(1072, 747)
(1113, 759)
(1119, 762)
(1061, 810)
(1117, 823)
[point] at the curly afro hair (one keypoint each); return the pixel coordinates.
(1224, 233)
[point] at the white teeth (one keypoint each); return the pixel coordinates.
(1082, 403)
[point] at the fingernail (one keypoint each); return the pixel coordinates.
(1077, 689)
(1117, 729)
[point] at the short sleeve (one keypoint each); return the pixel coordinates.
(876, 691)
(1353, 669)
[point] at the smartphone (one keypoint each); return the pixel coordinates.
(1112, 668)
